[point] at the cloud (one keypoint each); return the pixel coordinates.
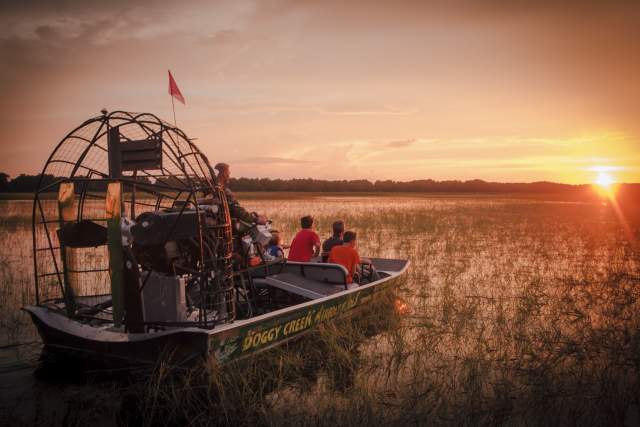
(48, 33)
(401, 143)
(606, 168)
(262, 160)
(385, 111)
(222, 38)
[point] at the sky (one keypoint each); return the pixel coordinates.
(509, 91)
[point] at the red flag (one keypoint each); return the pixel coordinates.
(173, 89)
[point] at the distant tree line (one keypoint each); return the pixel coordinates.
(23, 183)
(28, 183)
(423, 185)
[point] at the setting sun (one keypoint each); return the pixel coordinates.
(604, 180)
(605, 183)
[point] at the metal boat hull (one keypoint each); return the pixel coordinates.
(227, 342)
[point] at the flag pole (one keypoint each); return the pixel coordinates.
(174, 92)
(173, 107)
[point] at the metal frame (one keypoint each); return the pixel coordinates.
(81, 157)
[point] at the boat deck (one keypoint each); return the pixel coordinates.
(302, 286)
(389, 265)
(318, 280)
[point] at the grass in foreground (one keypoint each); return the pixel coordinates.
(567, 358)
(522, 313)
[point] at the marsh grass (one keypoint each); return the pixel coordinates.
(521, 312)
(247, 391)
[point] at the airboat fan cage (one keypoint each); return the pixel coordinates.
(108, 171)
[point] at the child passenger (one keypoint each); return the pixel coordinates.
(306, 244)
(347, 256)
(275, 248)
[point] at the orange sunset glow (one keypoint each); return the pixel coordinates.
(499, 91)
(320, 212)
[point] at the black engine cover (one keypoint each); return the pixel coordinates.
(156, 228)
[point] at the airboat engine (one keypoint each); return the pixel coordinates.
(164, 241)
(167, 245)
(140, 220)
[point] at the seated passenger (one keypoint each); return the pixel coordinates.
(275, 249)
(347, 256)
(335, 240)
(306, 244)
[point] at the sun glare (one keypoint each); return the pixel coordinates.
(605, 183)
(604, 180)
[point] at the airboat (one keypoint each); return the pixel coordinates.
(139, 256)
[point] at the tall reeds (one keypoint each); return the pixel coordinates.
(520, 312)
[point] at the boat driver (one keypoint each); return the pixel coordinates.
(236, 211)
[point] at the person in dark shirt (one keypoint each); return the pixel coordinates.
(236, 211)
(335, 240)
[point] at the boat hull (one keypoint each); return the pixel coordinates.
(227, 342)
(268, 331)
(180, 346)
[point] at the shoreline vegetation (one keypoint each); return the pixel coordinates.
(285, 195)
(29, 183)
(24, 186)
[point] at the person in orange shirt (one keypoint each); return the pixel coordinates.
(347, 255)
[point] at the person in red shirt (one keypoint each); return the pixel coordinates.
(347, 255)
(306, 244)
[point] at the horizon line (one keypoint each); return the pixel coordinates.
(464, 181)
